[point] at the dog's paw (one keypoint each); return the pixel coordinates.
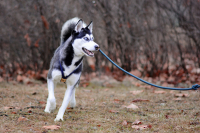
(72, 102)
(50, 106)
(58, 119)
(47, 111)
(72, 105)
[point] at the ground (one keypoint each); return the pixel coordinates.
(100, 108)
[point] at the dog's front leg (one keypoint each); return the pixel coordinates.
(66, 100)
(51, 101)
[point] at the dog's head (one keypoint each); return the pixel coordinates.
(83, 40)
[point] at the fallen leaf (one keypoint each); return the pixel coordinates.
(98, 125)
(159, 92)
(34, 93)
(140, 100)
(21, 119)
(181, 95)
(146, 86)
(106, 89)
(165, 84)
(197, 114)
(136, 73)
(27, 80)
(136, 84)
(167, 116)
(44, 74)
(19, 78)
(194, 123)
(118, 75)
(13, 112)
(108, 85)
(70, 108)
(118, 101)
(7, 108)
(136, 92)
(149, 126)
(171, 79)
(1, 79)
(124, 123)
(177, 99)
(42, 102)
(113, 111)
(51, 127)
(17, 108)
(30, 111)
(132, 106)
(141, 127)
(85, 90)
(85, 84)
(136, 122)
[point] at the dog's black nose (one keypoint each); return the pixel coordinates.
(96, 47)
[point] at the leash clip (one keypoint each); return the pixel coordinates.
(63, 80)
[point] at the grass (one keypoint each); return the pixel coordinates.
(94, 110)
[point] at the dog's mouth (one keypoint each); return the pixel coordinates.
(88, 52)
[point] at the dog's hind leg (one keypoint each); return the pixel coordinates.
(51, 101)
(73, 99)
(65, 102)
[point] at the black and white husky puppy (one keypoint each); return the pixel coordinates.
(66, 64)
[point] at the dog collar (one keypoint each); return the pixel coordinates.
(64, 78)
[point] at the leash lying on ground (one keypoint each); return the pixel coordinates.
(194, 87)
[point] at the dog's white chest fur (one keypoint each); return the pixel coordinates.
(57, 75)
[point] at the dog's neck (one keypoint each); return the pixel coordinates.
(75, 63)
(71, 59)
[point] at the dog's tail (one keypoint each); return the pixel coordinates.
(68, 27)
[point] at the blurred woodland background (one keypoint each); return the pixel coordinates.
(153, 37)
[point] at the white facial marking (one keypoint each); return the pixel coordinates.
(85, 46)
(88, 37)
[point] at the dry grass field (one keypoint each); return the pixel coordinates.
(99, 109)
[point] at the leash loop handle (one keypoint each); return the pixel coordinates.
(194, 87)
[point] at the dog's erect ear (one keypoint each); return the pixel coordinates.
(79, 26)
(90, 26)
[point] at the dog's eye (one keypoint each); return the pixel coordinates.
(86, 38)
